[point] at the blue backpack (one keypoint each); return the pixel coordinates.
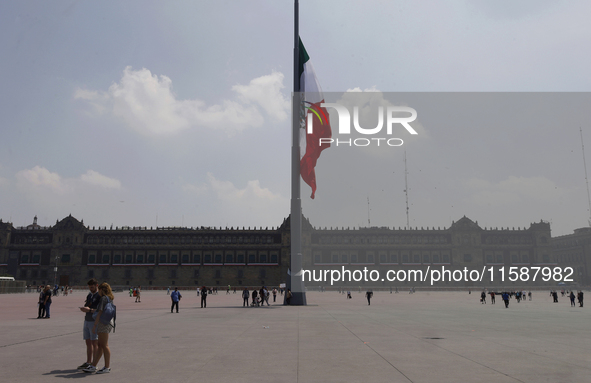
(109, 312)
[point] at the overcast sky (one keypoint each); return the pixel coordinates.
(147, 113)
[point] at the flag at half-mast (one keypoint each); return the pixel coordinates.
(316, 116)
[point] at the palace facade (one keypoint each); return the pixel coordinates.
(69, 253)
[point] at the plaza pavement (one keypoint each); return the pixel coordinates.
(423, 337)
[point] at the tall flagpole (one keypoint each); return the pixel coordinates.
(295, 280)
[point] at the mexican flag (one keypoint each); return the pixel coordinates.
(317, 120)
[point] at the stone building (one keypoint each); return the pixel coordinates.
(180, 256)
(463, 245)
(132, 256)
(574, 250)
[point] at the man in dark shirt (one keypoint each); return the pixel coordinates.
(203, 297)
(90, 337)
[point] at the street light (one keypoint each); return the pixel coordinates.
(55, 271)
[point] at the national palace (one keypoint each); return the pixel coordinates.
(70, 252)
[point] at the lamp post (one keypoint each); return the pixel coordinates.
(55, 271)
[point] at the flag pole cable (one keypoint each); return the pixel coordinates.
(295, 282)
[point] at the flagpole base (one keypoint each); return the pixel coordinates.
(297, 299)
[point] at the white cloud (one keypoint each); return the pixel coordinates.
(148, 104)
(225, 203)
(225, 190)
(42, 178)
(266, 92)
(97, 179)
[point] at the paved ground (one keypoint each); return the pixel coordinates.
(424, 337)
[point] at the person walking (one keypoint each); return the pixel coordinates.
(368, 295)
(274, 294)
(580, 297)
(103, 331)
(203, 297)
(492, 297)
(505, 297)
(572, 299)
(262, 295)
(137, 294)
(288, 296)
(91, 338)
(175, 297)
(245, 295)
(483, 298)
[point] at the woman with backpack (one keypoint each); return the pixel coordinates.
(103, 331)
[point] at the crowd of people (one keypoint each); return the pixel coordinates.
(523, 296)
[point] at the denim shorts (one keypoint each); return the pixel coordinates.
(87, 331)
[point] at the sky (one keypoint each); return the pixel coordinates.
(146, 113)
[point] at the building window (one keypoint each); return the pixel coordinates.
(383, 258)
(251, 258)
(229, 258)
(445, 258)
(274, 258)
(370, 258)
(174, 258)
(65, 258)
(36, 258)
(489, 258)
(25, 258)
(344, 258)
(117, 258)
(316, 258)
(426, 258)
(435, 258)
(91, 258)
(151, 258)
(162, 258)
(197, 258)
(218, 258)
(353, 258)
(467, 258)
(207, 258)
(106, 258)
(128, 258)
(185, 258)
(140, 258)
(263, 258)
(240, 258)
